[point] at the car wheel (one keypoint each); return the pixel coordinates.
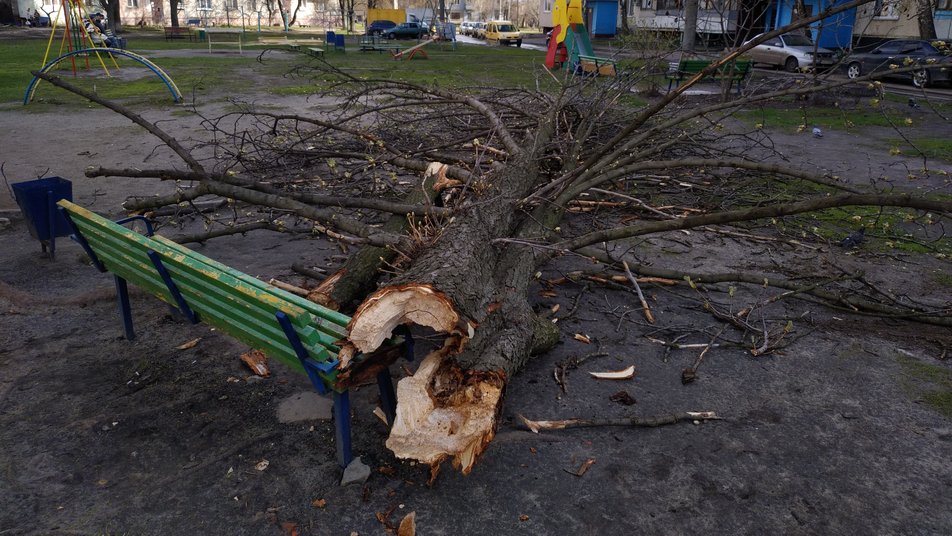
(854, 70)
(920, 79)
(791, 65)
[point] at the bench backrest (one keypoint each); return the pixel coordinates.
(696, 66)
(227, 299)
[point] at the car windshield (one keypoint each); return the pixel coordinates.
(507, 28)
(796, 40)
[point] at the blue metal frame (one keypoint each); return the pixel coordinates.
(148, 224)
(125, 309)
(313, 369)
(173, 288)
(388, 398)
(81, 240)
(342, 428)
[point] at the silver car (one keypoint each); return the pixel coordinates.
(793, 52)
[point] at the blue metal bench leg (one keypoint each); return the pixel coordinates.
(125, 310)
(342, 428)
(388, 398)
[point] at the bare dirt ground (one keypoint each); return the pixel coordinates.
(838, 434)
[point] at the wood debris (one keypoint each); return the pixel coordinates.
(257, 362)
(188, 345)
(624, 374)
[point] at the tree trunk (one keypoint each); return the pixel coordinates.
(173, 12)
(690, 25)
(624, 16)
(926, 19)
(112, 12)
(475, 291)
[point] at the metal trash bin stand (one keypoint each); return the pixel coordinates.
(37, 200)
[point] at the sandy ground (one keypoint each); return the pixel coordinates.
(99, 435)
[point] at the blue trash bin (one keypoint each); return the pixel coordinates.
(37, 200)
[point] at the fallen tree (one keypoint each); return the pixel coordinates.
(460, 245)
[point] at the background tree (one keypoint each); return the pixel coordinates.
(925, 10)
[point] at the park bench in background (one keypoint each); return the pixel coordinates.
(371, 43)
(597, 66)
(179, 32)
(284, 326)
(311, 45)
(735, 71)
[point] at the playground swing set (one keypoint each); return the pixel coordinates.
(570, 47)
(76, 42)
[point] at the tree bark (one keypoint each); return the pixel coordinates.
(474, 291)
(926, 19)
(690, 25)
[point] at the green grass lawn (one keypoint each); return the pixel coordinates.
(467, 66)
(791, 119)
(931, 148)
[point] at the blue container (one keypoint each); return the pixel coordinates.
(37, 200)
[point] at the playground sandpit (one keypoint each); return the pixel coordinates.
(838, 434)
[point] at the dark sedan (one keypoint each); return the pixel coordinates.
(901, 53)
(378, 27)
(407, 30)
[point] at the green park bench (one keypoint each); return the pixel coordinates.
(735, 71)
(284, 326)
(372, 43)
(593, 65)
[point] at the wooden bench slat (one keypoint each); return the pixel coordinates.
(288, 303)
(242, 319)
(221, 302)
(334, 322)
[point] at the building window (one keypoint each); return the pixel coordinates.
(669, 6)
(204, 4)
(232, 4)
(132, 3)
(886, 9)
(547, 6)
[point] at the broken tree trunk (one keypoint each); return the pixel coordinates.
(475, 291)
(357, 278)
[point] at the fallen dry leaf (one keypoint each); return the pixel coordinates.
(189, 344)
(548, 294)
(533, 450)
(290, 528)
(257, 362)
(319, 503)
(262, 465)
(624, 374)
(583, 338)
(584, 467)
(523, 517)
(555, 308)
(408, 525)
(622, 397)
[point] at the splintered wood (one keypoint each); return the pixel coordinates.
(390, 307)
(443, 412)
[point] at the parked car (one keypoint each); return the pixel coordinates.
(503, 32)
(407, 30)
(378, 27)
(902, 53)
(479, 30)
(465, 27)
(793, 52)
